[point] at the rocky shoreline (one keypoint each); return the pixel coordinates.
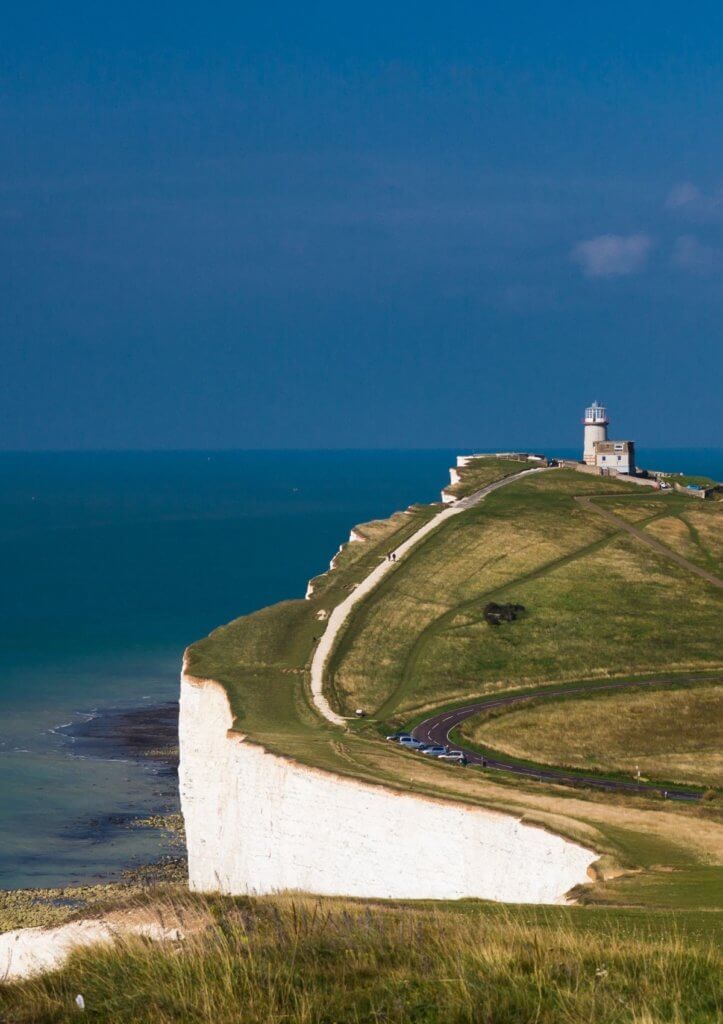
(140, 733)
(146, 735)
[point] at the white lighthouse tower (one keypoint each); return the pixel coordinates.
(596, 429)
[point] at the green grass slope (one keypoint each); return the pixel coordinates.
(597, 602)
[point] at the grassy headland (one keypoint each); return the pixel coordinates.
(598, 605)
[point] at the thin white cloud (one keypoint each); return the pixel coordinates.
(612, 255)
(684, 194)
(528, 298)
(686, 199)
(692, 255)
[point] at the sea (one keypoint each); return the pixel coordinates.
(112, 563)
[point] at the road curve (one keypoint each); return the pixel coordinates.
(437, 729)
(342, 611)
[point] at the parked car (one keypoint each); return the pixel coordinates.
(434, 750)
(455, 756)
(412, 744)
(397, 737)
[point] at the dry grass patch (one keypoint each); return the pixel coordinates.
(636, 509)
(698, 538)
(674, 532)
(707, 523)
(673, 735)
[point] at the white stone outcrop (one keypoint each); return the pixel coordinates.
(258, 823)
(26, 952)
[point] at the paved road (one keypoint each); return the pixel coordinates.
(342, 611)
(437, 729)
(673, 556)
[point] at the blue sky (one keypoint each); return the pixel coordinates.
(328, 225)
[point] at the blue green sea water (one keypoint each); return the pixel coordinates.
(111, 564)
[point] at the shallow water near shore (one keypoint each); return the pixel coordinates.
(113, 563)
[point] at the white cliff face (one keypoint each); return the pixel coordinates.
(454, 478)
(257, 823)
(354, 538)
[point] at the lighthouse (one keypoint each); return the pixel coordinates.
(596, 429)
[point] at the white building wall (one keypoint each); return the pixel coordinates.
(593, 432)
(615, 456)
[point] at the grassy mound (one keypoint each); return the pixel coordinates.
(302, 960)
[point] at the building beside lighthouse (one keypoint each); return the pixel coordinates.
(609, 457)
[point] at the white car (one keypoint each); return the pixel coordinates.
(455, 756)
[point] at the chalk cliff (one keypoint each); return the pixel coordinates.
(258, 823)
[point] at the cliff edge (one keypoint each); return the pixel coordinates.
(258, 823)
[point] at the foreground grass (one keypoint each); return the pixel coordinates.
(304, 960)
(670, 734)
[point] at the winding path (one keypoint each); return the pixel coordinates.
(341, 613)
(437, 729)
